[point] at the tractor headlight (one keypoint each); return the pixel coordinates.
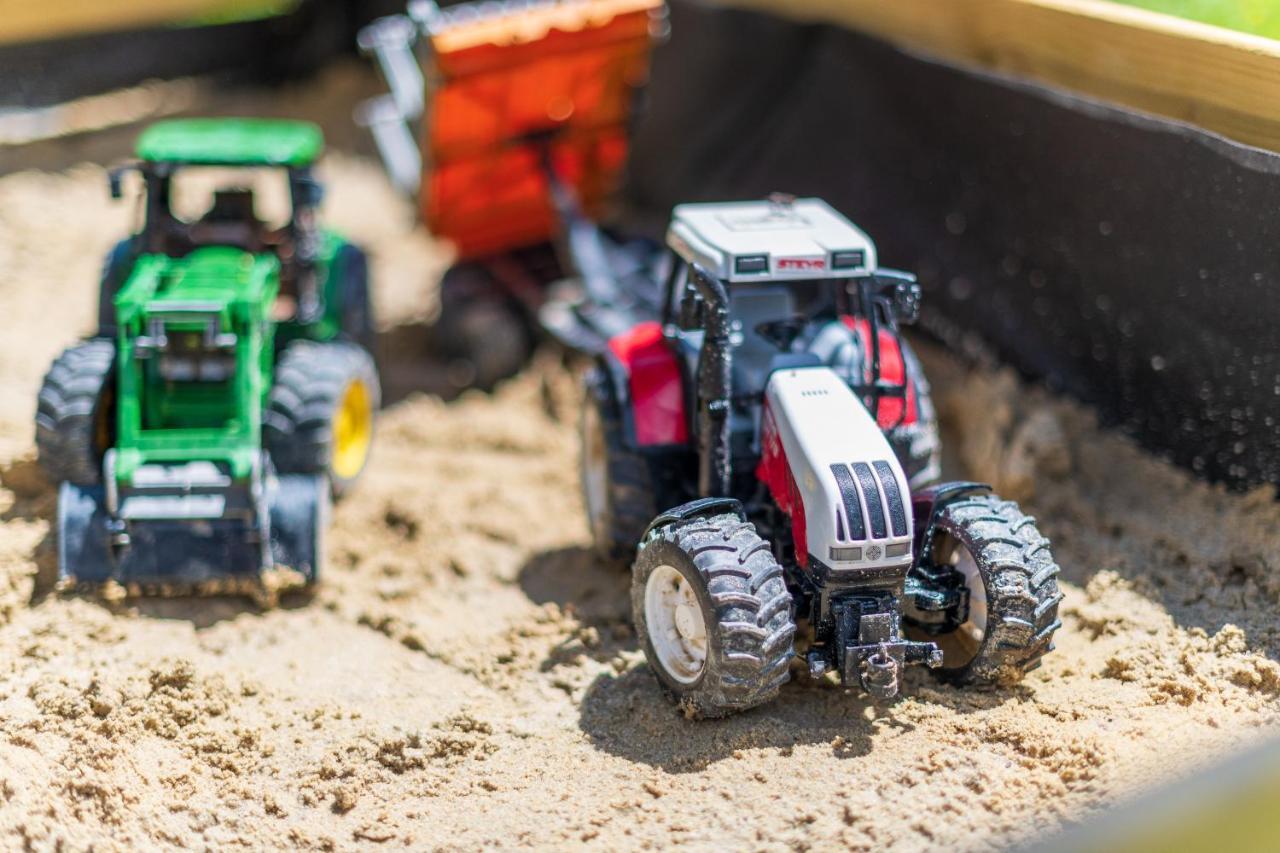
(849, 260)
(845, 555)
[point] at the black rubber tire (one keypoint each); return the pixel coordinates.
(115, 271)
(356, 317)
(481, 332)
(310, 381)
(1021, 581)
(629, 498)
(75, 422)
(745, 606)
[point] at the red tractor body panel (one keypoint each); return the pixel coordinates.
(655, 385)
(775, 472)
(893, 411)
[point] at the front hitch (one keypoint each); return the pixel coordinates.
(880, 675)
(870, 650)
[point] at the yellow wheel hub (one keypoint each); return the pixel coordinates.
(352, 430)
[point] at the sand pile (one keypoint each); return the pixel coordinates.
(467, 675)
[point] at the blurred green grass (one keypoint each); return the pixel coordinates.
(1260, 17)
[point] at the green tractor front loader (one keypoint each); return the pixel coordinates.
(230, 389)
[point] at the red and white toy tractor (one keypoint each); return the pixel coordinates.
(767, 452)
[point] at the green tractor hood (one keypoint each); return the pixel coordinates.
(195, 351)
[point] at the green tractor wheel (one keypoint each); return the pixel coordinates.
(320, 412)
(74, 425)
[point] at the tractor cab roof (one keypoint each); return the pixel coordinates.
(769, 240)
(231, 142)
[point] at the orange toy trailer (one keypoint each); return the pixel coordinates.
(524, 113)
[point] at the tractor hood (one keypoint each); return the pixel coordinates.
(195, 345)
(829, 465)
(225, 277)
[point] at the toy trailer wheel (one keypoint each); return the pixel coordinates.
(617, 482)
(74, 424)
(1012, 582)
(713, 615)
(320, 411)
(481, 331)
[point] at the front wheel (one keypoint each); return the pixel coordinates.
(1011, 580)
(320, 411)
(713, 614)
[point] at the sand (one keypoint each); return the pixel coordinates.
(466, 676)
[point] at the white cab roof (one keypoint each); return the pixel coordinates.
(764, 240)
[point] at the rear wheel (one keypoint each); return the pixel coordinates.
(618, 485)
(1012, 585)
(115, 270)
(74, 423)
(351, 266)
(713, 614)
(481, 333)
(321, 410)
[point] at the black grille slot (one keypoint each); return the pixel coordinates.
(852, 506)
(897, 513)
(875, 510)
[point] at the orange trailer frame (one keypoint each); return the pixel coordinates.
(514, 93)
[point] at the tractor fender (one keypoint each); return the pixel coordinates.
(654, 402)
(927, 503)
(700, 508)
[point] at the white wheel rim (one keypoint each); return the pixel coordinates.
(975, 627)
(677, 629)
(595, 472)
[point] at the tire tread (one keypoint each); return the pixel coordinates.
(750, 624)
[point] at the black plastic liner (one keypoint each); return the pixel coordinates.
(1129, 261)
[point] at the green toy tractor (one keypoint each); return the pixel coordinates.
(230, 389)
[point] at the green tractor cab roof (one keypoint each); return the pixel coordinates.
(232, 142)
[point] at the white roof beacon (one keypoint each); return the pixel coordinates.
(782, 238)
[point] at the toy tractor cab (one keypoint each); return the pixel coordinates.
(770, 447)
(198, 436)
(222, 161)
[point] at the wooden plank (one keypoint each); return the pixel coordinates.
(1221, 80)
(35, 20)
